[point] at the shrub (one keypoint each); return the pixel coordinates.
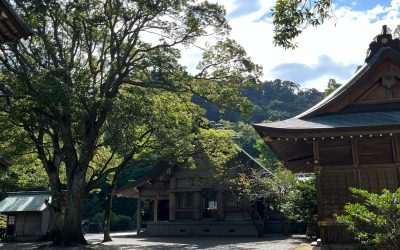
(3, 221)
(301, 204)
(374, 219)
(117, 222)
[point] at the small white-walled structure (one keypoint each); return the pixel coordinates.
(27, 214)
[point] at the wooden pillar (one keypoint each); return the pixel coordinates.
(317, 171)
(172, 198)
(139, 213)
(354, 152)
(155, 209)
(396, 157)
(197, 205)
(220, 205)
(197, 199)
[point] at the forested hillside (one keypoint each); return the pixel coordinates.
(272, 100)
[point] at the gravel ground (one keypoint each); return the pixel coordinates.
(122, 241)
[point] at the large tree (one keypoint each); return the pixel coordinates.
(62, 85)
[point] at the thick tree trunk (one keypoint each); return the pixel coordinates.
(56, 217)
(107, 211)
(72, 233)
(255, 218)
(55, 208)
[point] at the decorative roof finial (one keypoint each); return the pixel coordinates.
(384, 39)
(384, 30)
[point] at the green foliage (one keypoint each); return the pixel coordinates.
(3, 221)
(301, 204)
(212, 148)
(290, 17)
(248, 139)
(279, 100)
(374, 219)
(26, 172)
(250, 185)
(272, 100)
(117, 222)
(256, 190)
(332, 86)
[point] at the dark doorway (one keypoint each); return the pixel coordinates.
(209, 204)
(163, 210)
(10, 225)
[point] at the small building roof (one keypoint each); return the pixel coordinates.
(155, 173)
(33, 201)
(11, 25)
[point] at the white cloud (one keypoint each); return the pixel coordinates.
(344, 39)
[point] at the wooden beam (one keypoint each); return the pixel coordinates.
(155, 209)
(172, 199)
(327, 133)
(197, 199)
(197, 205)
(396, 157)
(318, 173)
(354, 152)
(220, 205)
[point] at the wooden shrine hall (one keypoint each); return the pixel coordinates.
(188, 202)
(349, 139)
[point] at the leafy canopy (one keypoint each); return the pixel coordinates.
(291, 17)
(93, 68)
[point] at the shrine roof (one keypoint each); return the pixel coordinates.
(337, 122)
(12, 27)
(33, 201)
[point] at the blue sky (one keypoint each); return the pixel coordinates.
(243, 8)
(362, 5)
(332, 50)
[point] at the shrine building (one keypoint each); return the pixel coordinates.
(349, 139)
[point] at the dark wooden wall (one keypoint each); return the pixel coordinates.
(367, 162)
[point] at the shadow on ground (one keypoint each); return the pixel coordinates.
(155, 243)
(132, 241)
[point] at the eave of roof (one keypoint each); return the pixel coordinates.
(243, 153)
(11, 26)
(364, 121)
(156, 172)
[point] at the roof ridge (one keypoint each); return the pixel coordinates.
(27, 193)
